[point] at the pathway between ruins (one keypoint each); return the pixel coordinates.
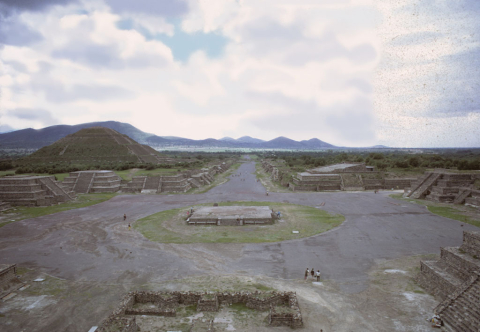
(94, 243)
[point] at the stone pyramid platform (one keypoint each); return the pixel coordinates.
(33, 191)
(455, 279)
(85, 182)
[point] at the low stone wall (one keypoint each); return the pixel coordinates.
(166, 302)
(7, 274)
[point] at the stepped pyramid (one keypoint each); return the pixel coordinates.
(95, 144)
(455, 278)
(33, 191)
(442, 186)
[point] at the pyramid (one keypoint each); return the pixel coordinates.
(95, 144)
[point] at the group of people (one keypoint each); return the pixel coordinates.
(312, 273)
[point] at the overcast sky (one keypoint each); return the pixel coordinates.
(403, 73)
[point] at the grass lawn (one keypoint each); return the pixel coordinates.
(27, 212)
(170, 226)
(461, 213)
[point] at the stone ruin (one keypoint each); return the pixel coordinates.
(283, 307)
(232, 216)
(455, 279)
(86, 182)
(174, 183)
(346, 176)
(33, 191)
(446, 187)
(8, 275)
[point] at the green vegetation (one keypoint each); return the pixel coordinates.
(456, 212)
(27, 212)
(399, 163)
(170, 226)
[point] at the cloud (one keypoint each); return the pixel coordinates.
(4, 128)
(431, 61)
(33, 115)
(96, 41)
(14, 32)
(341, 124)
(163, 8)
(9, 6)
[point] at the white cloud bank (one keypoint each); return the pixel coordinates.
(352, 73)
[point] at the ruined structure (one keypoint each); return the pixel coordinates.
(283, 306)
(85, 182)
(174, 183)
(346, 176)
(443, 186)
(232, 216)
(455, 279)
(8, 273)
(33, 191)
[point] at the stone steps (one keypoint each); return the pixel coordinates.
(83, 183)
(423, 185)
(462, 195)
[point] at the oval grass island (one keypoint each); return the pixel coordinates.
(170, 226)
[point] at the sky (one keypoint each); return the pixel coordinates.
(403, 73)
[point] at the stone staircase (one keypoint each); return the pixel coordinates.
(462, 195)
(461, 310)
(84, 180)
(55, 190)
(153, 185)
(194, 183)
(421, 186)
(455, 280)
(474, 200)
(4, 206)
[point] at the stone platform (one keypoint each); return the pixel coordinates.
(232, 216)
(455, 279)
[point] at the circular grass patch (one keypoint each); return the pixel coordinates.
(171, 227)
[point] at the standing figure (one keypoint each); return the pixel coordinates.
(129, 227)
(312, 272)
(306, 273)
(318, 275)
(124, 217)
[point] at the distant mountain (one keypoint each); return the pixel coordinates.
(248, 139)
(36, 139)
(227, 139)
(315, 143)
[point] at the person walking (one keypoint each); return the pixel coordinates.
(318, 275)
(306, 273)
(312, 272)
(124, 216)
(129, 227)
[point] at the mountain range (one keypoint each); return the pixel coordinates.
(38, 138)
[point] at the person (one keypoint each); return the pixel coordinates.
(124, 217)
(306, 273)
(312, 272)
(279, 214)
(129, 227)
(267, 193)
(318, 275)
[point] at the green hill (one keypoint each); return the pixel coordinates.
(95, 144)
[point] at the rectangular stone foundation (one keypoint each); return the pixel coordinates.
(231, 216)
